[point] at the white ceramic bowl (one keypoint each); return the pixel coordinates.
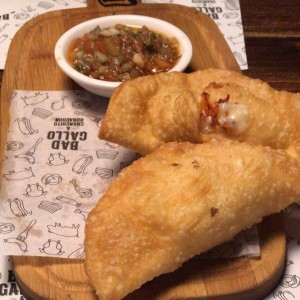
(102, 87)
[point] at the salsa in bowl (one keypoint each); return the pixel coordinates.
(101, 53)
(123, 52)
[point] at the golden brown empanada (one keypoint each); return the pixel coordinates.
(149, 111)
(179, 201)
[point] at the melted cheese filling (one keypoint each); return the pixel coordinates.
(234, 116)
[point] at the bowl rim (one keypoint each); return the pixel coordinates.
(64, 41)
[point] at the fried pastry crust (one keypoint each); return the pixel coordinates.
(149, 111)
(179, 201)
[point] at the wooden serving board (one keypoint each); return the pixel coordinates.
(32, 67)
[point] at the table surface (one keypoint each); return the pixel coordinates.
(272, 36)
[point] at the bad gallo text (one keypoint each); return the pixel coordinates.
(67, 139)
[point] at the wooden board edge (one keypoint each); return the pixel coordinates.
(59, 13)
(264, 283)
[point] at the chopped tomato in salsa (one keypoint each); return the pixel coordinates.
(122, 52)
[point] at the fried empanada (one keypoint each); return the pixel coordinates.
(147, 112)
(179, 201)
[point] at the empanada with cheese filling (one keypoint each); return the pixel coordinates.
(179, 201)
(147, 112)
